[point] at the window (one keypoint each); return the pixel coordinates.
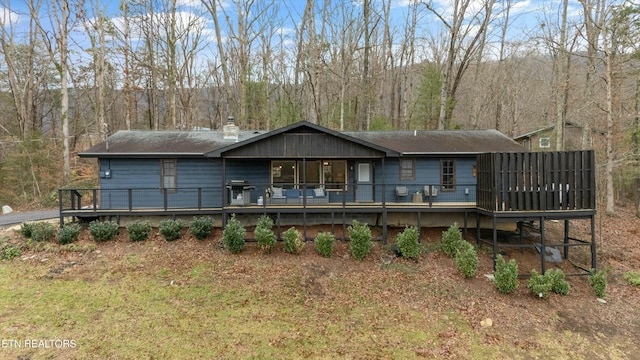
(289, 173)
(312, 172)
(283, 173)
(545, 143)
(407, 169)
(168, 174)
(334, 173)
(448, 175)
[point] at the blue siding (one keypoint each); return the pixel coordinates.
(143, 176)
(427, 173)
(255, 172)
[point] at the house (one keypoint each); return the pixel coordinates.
(308, 174)
(544, 139)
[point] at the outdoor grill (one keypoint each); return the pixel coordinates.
(240, 192)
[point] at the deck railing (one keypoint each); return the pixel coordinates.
(266, 195)
(537, 181)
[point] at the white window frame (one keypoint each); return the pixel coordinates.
(544, 142)
(169, 174)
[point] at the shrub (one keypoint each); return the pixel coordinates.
(171, 229)
(467, 260)
(360, 239)
(559, 284)
(408, 243)
(103, 230)
(292, 241)
(233, 236)
(451, 240)
(633, 277)
(506, 275)
(10, 252)
(139, 230)
(265, 237)
(43, 231)
(201, 227)
(26, 229)
(598, 281)
(324, 244)
(68, 234)
(539, 285)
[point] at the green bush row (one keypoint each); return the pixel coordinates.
(233, 239)
(46, 231)
(541, 285)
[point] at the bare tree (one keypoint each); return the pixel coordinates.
(308, 63)
(229, 103)
(127, 69)
(465, 27)
(365, 111)
(562, 78)
(97, 28)
(617, 28)
(24, 66)
(404, 70)
(56, 42)
(593, 12)
(190, 71)
(609, 49)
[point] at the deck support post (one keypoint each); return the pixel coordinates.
(384, 226)
(344, 223)
(566, 239)
(543, 250)
(593, 242)
(419, 225)
(495, 243)
(478, 228)
(60, 207)
(464, 230)
(304, 223)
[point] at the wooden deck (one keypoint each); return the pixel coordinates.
(90, 212)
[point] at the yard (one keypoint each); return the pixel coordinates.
(191, 299)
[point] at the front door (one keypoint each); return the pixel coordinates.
(364, 182)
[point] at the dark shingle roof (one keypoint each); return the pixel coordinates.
(440, 141)
(147, 143)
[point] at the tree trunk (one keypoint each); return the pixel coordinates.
(635, 139)
(561, 79)
(609, 58)
(212, 6)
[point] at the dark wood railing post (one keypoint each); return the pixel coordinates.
(130, 199)
(95, 200)
(60, 207)
(199, 198)
(165, 199)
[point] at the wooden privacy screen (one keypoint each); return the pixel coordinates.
(536, 181)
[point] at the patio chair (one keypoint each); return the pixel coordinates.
(434, 190)
(401, 191)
